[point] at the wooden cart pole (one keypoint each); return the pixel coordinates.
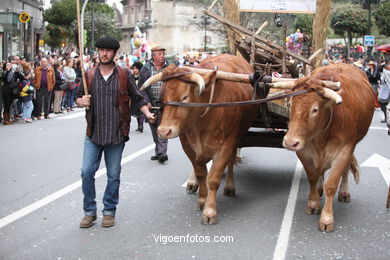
(81, 51)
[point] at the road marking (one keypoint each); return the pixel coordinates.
(208, 165)
(285, 229)
(378, 128)
(58, 194)
(73, 115)
(382, 163)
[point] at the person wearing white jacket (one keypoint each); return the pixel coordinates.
(70, 77)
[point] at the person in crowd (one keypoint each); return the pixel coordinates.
(111, 88)
(78, 78)
(44, 82)
(152, 94)
(7, 93)
(1, 90)
(26, 93)
(16, 107)
(58, 87)
(70, 78)
(95, 62)
(121, 62)
(136, 68)
(374, 79)
(10, 90)
(384, 91)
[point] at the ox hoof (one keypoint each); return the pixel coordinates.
(326, 227)
(311, 211)
(200, 204)
(344, 197)
(206, 220)
(229, 192)
(192, 188)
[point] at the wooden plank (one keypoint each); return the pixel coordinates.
(246, 31)
(273, 51)
(212, 5)
(262, 27)
(264, 47)
(253, 48)
(315, 54)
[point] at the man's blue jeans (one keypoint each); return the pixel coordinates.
(91, 161)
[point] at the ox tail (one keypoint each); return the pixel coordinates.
(355, 169)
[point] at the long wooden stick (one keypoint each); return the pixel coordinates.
(81, 50)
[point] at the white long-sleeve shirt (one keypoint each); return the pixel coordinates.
(69, 74)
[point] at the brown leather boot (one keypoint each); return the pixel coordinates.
(87, 221)
(6, 119)
(108, 221)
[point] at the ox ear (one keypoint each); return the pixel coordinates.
(210, 78)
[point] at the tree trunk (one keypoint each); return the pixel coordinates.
(350, 39)
(232, 12)
(320, 27)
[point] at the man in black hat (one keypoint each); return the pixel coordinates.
(108, 124)
(153, 67)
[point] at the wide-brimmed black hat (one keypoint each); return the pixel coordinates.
(107, 43)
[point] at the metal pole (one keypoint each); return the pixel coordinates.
(369, 17)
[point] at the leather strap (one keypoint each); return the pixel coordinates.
(240, 103)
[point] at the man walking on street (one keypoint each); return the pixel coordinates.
(44, 82)
(152, 67)
(108, 125)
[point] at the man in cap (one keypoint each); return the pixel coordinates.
(108, 124)
(152, 67)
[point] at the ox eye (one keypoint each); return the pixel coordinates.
(314, 110)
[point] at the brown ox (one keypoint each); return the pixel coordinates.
(210, 134)
(324, 134)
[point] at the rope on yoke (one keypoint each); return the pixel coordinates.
(239, 103)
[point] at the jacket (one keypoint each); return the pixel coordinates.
(26, 91)
(373, 77)
(144, 74)
(123, 102)
(59, 81)
(51, 79)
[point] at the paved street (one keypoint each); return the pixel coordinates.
(41, 202)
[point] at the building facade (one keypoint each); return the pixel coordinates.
(178, 26)
(17, 38)
(135, 13)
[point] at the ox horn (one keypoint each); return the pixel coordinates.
(152, 80)
(196, 78)
(328, 93)
(331, 84)
(283, 84)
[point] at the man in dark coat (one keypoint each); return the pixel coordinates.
(152, 95)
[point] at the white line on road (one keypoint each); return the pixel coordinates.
(284, 233)
(208, 165)
(378, 128)
(58, 194)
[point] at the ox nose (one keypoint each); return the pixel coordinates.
(164, 132)
(291, 143)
